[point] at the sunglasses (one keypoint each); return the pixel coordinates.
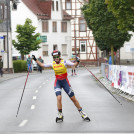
(56, 57)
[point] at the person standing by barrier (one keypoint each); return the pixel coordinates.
(1, 66)
(73, 59)
(110, 59)
(29, 63)
(39, 67)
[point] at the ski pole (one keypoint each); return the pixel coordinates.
(23, 89)
(102, 84)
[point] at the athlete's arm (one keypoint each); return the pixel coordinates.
(41, 64)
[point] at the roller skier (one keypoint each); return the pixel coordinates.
(60, 68)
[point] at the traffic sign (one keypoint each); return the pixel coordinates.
(43, 38)
(1, 37)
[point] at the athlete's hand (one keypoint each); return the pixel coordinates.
(34, 58)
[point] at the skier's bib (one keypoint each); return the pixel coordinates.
(60, 70)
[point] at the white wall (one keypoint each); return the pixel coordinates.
(52, 38)
(126, 51)
(19, 16)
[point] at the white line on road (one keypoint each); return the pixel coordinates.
(40, 87)
(23, 123)
(44, 83)
(34, 97)
(36, 91)
(32, 107)
(46, 80)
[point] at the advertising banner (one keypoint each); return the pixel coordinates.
(130, 80)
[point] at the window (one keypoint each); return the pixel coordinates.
(55, 47)
(56, 5)
(83, 46)
(64, 49)
(63, 26)
(1, 11)
(5, 12)
(82, 25)
(54, 26)
(45, 26)
(45, 50)
(68, 4)
(53, 5)
(14, 7)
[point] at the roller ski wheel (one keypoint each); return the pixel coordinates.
(59, 119)
(84, 116)
(86, 119)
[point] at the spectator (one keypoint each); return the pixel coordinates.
(29, 63)
(106, 60)
(39, 67)
(73, 59)
(110, 59)
(1, 66)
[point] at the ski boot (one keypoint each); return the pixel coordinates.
(84, 116)
(60, 117)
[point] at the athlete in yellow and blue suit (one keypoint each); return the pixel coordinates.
(60, 68)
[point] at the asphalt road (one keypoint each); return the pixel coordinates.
(38, 109)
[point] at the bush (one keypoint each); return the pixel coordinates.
(19, 66)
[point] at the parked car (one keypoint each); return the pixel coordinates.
(35, 67)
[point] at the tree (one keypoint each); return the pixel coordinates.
(26, 38)
(104, 26)
(123, 10)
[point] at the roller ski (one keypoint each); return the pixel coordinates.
(60, 117)
(84, 116)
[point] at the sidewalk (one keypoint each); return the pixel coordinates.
(14, 75)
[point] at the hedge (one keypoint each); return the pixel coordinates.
(19, 66)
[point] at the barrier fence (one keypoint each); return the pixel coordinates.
(121, 77)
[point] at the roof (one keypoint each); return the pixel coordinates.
(41, 8)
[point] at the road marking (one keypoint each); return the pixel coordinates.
(23, 123)
(32, 107)
(34, 97)
(44, 83)
(46, 80)
(40, 87)
(36, 91)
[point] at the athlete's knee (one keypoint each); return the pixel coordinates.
(70, 92)
(58, 93)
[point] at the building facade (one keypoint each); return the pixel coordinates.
(82, 37)
(52, 22)
(5, 35)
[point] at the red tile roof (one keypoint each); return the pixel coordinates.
(41, 8)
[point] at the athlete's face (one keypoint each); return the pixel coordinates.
(56, 58)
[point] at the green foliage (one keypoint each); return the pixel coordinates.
(123, 10)
(19, 66)
(104, 26)
(26, 38)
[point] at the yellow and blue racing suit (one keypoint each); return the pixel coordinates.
(61, 80)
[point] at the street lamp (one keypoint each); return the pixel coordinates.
(7, 18)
